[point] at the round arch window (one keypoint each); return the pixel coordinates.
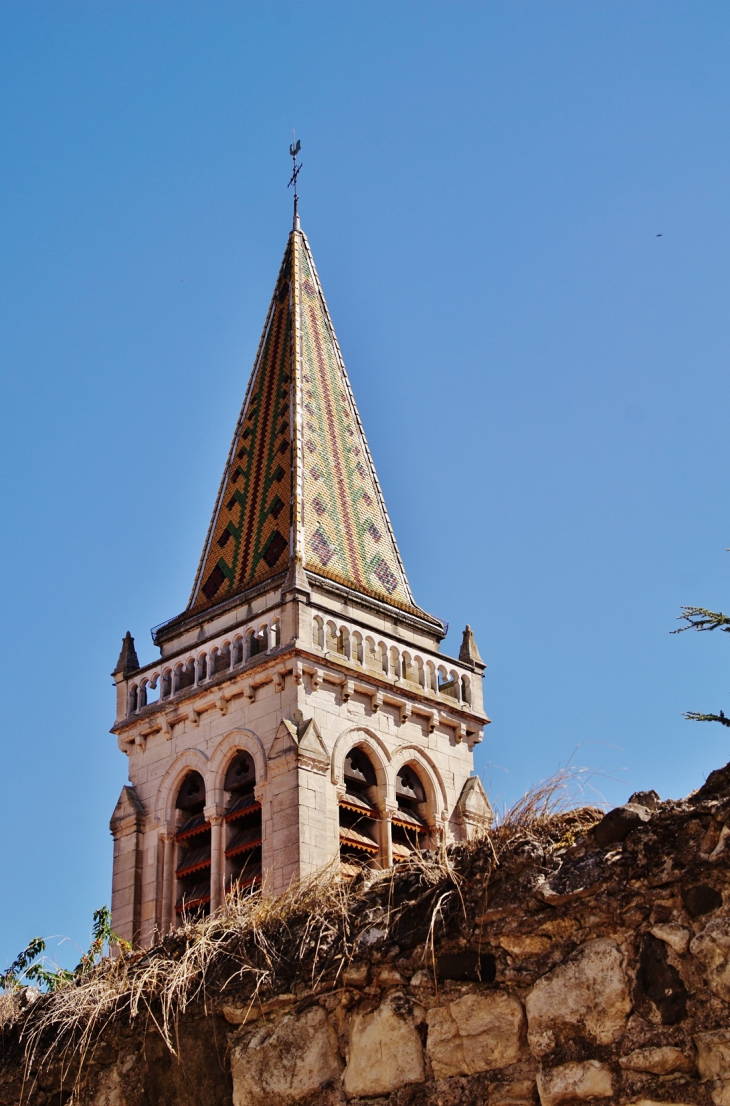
(359, 814)
(192, 870)
(409, 829)
(243, 833)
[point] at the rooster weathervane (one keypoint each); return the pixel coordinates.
(294, 149)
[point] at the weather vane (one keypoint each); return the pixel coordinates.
(294, 149)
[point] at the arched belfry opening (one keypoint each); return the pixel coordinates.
(359, 814)
(242, 824)
(192, 838)
(409, 827)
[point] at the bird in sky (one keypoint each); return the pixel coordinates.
(658, 235)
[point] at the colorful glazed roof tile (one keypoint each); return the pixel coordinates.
(299, 481)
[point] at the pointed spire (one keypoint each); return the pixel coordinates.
(128, 661)
(299, 493)
(468, 653)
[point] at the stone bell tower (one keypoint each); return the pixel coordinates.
(300, 713)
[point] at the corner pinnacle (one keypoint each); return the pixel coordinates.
(128, 661)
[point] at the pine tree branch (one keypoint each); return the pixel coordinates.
(693, 716)
(698, 618)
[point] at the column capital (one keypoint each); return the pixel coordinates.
(214, 813)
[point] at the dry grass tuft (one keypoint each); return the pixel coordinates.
(560, 794)
(247, 944)
(550, 811)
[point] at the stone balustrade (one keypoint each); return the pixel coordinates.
(437, 675)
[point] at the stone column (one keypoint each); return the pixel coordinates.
(168, 880)
(386, 838)
(217, 857)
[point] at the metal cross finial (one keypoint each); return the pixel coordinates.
(294, 149)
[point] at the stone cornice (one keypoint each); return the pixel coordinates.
(427, 622)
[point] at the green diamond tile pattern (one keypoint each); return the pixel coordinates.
(249, 534)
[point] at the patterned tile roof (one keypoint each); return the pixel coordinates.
(299, 480)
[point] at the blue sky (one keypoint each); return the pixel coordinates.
(519, 215)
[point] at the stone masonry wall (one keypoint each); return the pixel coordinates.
(563, 960)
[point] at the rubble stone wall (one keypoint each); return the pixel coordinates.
(592, 968)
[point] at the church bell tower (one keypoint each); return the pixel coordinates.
(300, 713)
